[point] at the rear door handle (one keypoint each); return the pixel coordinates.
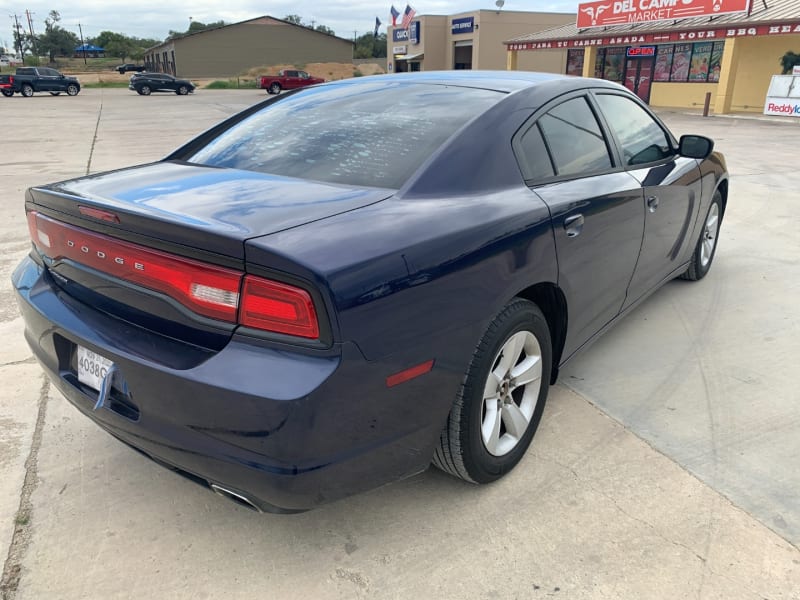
(652, 203)
(573, 225)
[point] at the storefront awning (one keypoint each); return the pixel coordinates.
(412, 56)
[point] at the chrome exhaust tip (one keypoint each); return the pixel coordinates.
(240, 499)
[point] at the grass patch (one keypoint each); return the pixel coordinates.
(22, 519)
(357, 73)
(232, 84)
(106, 84)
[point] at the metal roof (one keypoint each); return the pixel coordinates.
(762, 11)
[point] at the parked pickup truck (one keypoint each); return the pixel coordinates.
(286, 79)
(28, 80)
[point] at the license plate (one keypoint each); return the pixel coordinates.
(92, 368)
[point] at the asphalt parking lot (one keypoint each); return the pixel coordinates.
(666, 466)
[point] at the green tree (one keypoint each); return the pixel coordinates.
(56, 40)
(789, 60)
(324, 29)
(296, 19)
(194, 27)
(369, 46)
(115, 44)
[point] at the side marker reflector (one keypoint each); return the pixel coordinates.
(409, 374)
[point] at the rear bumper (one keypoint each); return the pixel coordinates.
(288, 429)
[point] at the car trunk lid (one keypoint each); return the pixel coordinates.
(199, 207)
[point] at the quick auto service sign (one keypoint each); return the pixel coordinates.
(618, 12)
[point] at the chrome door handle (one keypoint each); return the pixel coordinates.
(652, 203)
(573, 225)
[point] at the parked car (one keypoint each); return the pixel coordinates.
(129, 67)
(287, 79)
(29, 80)
(316, 297)
(146, 83)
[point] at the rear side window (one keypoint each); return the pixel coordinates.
(369, 134)
(534, 159)
(575, 139)
(641, 138)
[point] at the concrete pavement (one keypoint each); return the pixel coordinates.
(689, 490)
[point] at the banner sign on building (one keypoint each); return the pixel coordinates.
(462, 25)
(603, 13)
(660, 38)
(400, 50)
(400, 35)
(414, 33)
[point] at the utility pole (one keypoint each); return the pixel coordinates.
(29, 14)
(18, 38)
(83, 44)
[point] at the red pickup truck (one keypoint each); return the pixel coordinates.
(286, 79)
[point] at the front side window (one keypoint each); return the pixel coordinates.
(575, 140)
(641, 138)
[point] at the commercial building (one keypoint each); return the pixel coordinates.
(470, 40)
(676, 63)
(227, 51)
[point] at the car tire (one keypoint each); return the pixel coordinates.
(55, 93)
(144, 90)
(706, 247)
(72, 90)
(26, 90)
(495, 416)
(182, 91)
(8, 93)
(275, 88)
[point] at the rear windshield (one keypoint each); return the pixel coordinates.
(372, 134)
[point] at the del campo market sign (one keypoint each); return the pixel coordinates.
(619, 12)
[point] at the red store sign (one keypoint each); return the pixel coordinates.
(661, 38)
(603, 13)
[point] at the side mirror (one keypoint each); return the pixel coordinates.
(695, 146)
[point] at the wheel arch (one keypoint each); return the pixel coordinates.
(553, 304)
(722, 188)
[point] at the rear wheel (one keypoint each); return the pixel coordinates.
(72, 90)
(275, 88)
(706, 248)
(144, 90)
(7, 93)
(27, 90)
(500, 404)
(55, 93)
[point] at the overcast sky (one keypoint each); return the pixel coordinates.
(155, 18)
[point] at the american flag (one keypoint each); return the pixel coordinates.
(395, 14)
(408, 14)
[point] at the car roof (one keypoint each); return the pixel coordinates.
(501, 81)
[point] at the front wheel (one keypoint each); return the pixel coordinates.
(706, 248)
(144, 90)
(182, 91)
(500, 404)
(27, 90)
(72, 90)
(275, 88)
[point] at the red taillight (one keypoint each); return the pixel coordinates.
(277, 307)
(206, 289)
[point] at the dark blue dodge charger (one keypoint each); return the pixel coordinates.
(338, 286)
